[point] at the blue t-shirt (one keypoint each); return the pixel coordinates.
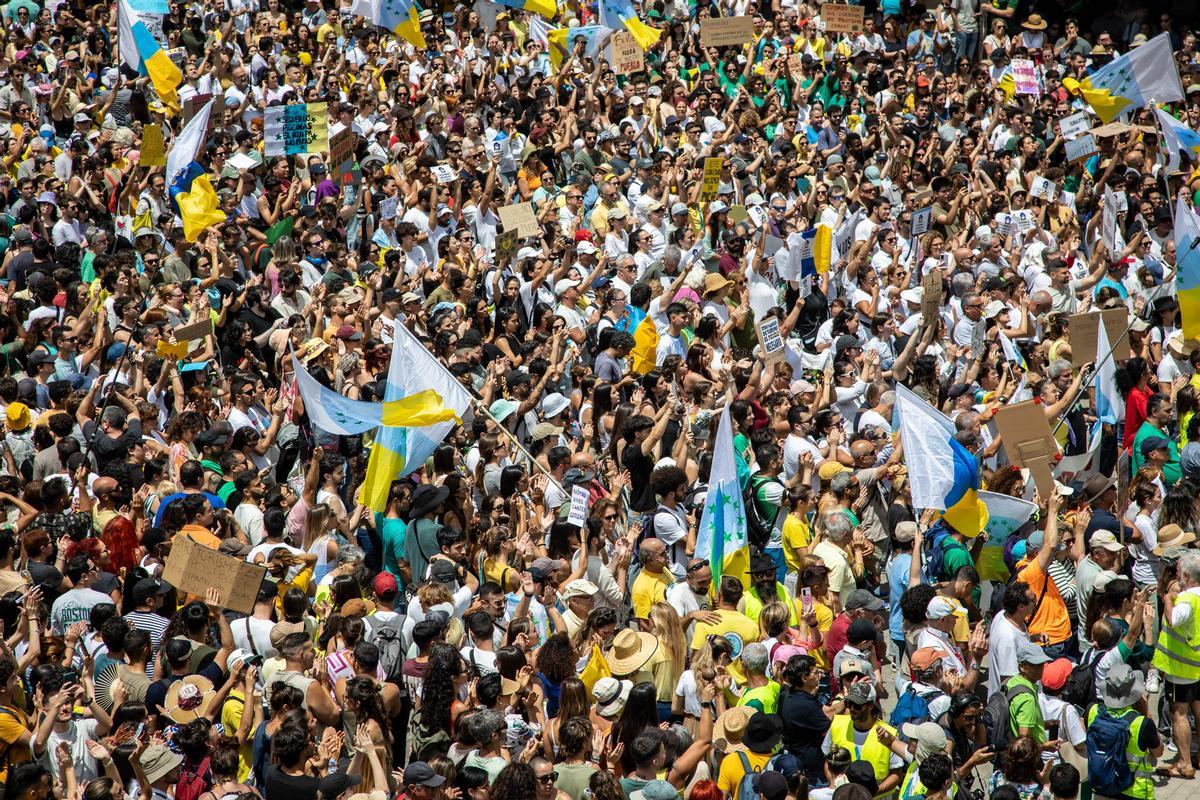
(897, 573)
(215, 501)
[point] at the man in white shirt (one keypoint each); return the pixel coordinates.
(1008, 631)
(689, 597)
(75, 605)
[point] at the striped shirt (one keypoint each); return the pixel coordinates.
(153, 624)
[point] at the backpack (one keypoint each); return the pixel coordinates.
(933, 554)
(193, 784)
(1080, 688)
(1107, 754)
(746, 790)
(912, 707)
(427, 744)
(389, 638)
(997, 716)
(759, 524)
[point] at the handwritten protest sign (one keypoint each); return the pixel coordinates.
(520, 217)
(193, 568)
(1075, 125)
(627, 56)
(580, 499)
(1085, 330)
(712, 179)
(506, 247)
(196, 330)
(296, 128)
(726, 31)
(842, 18)
(341, 152)
(1025, 77)
(1028, 441)
(154, 152)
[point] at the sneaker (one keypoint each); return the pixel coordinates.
(1153, 682)
(1170, 747)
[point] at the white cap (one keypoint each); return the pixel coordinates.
(564, 284)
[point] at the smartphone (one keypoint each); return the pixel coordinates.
(806, 600)
(137, 735)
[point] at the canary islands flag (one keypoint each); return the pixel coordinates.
(1187, 264)
(1177, 137)
(336, 413)
(616, 14)
(722, 537)
(942, 473)
(816, 250)
(561, 40)
(398, 16)
(546, 8)
(1144, 75)
(400, 449)
(199, 208)
(152, 59)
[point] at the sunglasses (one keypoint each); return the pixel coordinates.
(550, 778)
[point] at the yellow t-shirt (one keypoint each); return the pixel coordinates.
(13, 723)
(231, 718)
(301, 581)
(649, 589)
(796, 534)
(733, 624)
(732, 771)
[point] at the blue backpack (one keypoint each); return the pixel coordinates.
(1107, 753)
(911, 707)
(934, 553)
(746, 789)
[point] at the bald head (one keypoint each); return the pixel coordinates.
(862, 449)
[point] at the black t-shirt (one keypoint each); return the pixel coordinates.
(21, 263)
(293, 787)
(259, 323)
(640, 466)
(804, 727)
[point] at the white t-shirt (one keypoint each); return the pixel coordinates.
(1003, 638)
(77, 735)
(260, 630)
(74, 606)
(250, 518)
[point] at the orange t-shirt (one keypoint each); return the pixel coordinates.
(1051, 617)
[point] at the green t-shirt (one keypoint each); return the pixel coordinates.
(955, 556)
(1024, 711)
(391, 536)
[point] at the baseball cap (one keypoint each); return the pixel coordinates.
(852, 666)
(348, 333)
(861, 598)
(942, 607)
(580, 587)
(1055, 675)
(1105, 540)
(385, 584)
(564, 284)
(678, 208)
(418, 773)
(148, 587)
(1030, 653)
(926, 658)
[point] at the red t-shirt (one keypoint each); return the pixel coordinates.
(835, 638)
(1135, 413)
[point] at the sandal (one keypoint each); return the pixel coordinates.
(1175, 771)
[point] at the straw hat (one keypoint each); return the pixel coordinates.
(730, 727)
(1034, 23)
(1172, 536)
(630, 651)
(188, 699)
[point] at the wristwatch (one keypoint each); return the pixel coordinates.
(710, 705)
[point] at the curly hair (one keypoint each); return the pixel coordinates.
(438, 690)
(555, 659)
(517, 781)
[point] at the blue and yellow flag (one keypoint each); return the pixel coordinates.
(1187, 264)
(546, 8)
(721, 536)
(153, 61)
(616, 14)
(816, 250)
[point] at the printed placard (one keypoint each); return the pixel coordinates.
(1005, 225)
(627, 55)
(579, 506)
(729, 31)
(443, 173)
(1043, 188)
(921, 220)
(178, 56)
(1025, 77)
(154, 152)
(1082, 148)
(842, 18)
(712, 179)
(931, 295)
(1025, 220)
(296, 128)
(520, 217)
(1075, 125)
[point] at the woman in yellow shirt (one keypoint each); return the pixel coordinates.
(797, 534)
(668, 662)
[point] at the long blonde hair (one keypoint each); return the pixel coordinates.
(666, 625)
(316, 524)
(704, 660)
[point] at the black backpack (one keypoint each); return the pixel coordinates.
(758, 525)
(997, 716)
(1080, 687)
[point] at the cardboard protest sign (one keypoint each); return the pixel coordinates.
(506, 246)
(1028, 441)
(931, 295)
(728, 31)
(341, 152)
(520, 217)
(196, 330)
(194, 104)
(770, 339)
(1075, 125)
(627, 55)
(1081, 148)
(1085, 331)
(712, 179)
(842, 18)
(192, 568)
(154, 151)
(795, 64)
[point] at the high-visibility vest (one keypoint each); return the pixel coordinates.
(1177, 652)
(1139, 759)
(911, 787)
(754, 604)
(873, 751)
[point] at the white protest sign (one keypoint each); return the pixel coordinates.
(579, 506)
(1075, 125)
(443, 173)
(1043, 188)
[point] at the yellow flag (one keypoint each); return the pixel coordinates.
(199, 208)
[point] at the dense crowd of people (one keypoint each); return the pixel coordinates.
(534, 612)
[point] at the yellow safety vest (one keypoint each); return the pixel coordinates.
(1139, 759)
(1177, 652)
(911, 787)
(754, 605)
(841, 733)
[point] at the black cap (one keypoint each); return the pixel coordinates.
(418, 773)
(861, 630)
(332, 785)
(862, 773)
(148, 587)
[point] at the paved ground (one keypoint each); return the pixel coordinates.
(1165, 789)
